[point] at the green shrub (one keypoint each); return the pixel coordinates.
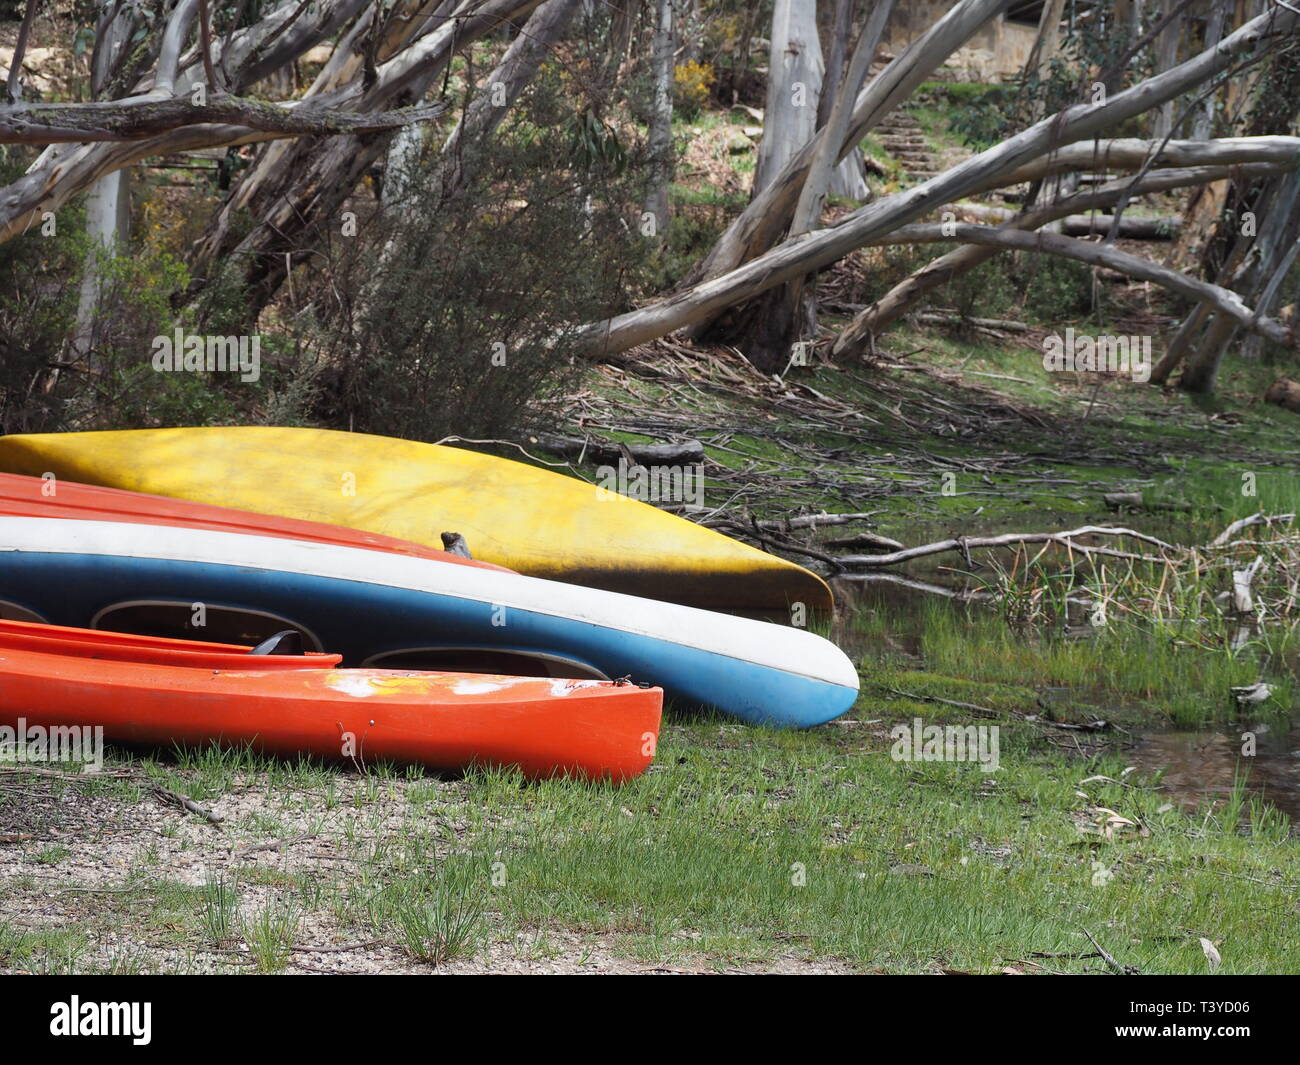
(1057, 290)
(692, 83)
(449, 314)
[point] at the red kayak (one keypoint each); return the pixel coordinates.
(36, 497)
(150, 690)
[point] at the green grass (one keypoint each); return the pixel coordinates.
(269, 934)
(745, 843)
(220, 908)
(1150, 674)
(440, 916)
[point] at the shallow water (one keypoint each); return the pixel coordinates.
(1195, 766)
(1200, 767)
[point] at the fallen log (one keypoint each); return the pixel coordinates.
(685, 453)
(1085, 225)
(1134, 501)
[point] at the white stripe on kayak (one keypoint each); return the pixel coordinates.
(781, 647)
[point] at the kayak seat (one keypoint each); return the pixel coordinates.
(288, 642)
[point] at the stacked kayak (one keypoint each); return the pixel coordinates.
(54, 498)
(535, 521)
(157, 691)
(390, 608)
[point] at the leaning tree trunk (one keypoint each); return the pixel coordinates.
(1258, 281)
(816, 250)
(763, 223)
(849, 179)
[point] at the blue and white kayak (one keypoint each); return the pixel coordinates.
(381, 609)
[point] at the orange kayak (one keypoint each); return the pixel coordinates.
(149, 690)
(24, 496)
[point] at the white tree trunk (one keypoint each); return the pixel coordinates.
(849, 178)
(1203, 124)
(808, 208)
(107, 214)
(1166, 57)
(400, 163)
(764, 221)
(661, 121)
(794, 83)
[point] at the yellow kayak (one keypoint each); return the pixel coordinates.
(532, 520)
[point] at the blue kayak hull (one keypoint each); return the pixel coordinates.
(361, 620)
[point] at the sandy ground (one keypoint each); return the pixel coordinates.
(68, 858)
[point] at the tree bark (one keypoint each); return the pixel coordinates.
(13, 83)
(661, 120)
(1203, 124)
(107, 216)
(781, 317)
(808, 208)
(1166, 53)
(140, 119)
(848, 178)
(794, 82)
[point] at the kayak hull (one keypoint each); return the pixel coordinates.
(294, 706)
(512, 514)
(367, 604)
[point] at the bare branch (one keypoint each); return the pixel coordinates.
(12, 88)
(205, 45)
(139, 118)
(874, 319)
(169, 58)
(1068, 538)
(1222, 299)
